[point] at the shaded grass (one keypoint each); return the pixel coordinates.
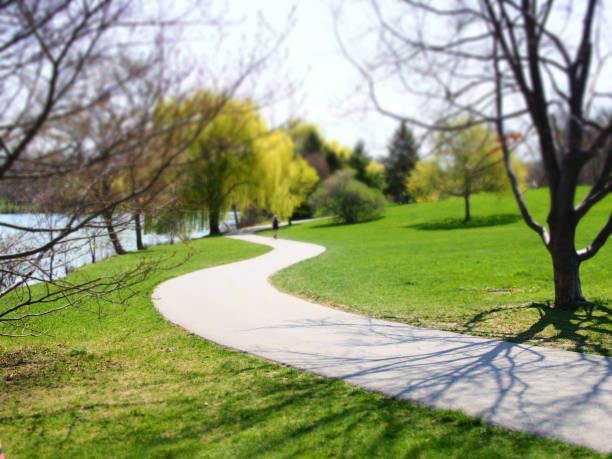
(130, 384)
(474, 222)
(491, 277)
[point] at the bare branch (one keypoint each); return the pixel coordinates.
(600, 190)
(531, 223)
(597, 243)
(92, 127)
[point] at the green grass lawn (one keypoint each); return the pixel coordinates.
(492, 277)
(130, 384)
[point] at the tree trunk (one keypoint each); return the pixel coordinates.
(213, 222)
(138, 228)
(92, 249)
(51, 259)
(566, 265)
(466, 199)
(112, 234)
(236, 221)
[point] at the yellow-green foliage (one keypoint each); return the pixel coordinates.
(422, 182)
(375, 172)
(237, 160)
(343, 153)
(223, 156)
(280, 182)
(299, 132)
(464, 162)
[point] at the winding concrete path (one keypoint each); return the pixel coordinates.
(551, 393)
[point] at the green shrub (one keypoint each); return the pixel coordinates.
(348, 199)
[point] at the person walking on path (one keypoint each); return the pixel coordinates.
(275, 224)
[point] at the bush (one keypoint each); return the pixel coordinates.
(348, 199)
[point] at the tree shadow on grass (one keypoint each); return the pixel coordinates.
(282, 414)
(577, 330)
(474, 222)
(336, 222)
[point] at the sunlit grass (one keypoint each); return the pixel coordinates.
(492, 277)
(130, 384)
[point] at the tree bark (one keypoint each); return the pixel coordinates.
(92, 249)
(236, 220)
(466, 199)
(112, 234)
(566, 265)
(138, 228)
(51, 259)
(213, 222)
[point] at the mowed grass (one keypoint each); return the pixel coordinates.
(130, 384)
(491, 277)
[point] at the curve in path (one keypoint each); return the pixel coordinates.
(546, 392)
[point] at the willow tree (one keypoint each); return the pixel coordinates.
(220, 160)
(238, 161)
(512, 65)
(281, 179)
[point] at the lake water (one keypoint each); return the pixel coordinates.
(82, 246)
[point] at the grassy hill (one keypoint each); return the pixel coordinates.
(491, 277)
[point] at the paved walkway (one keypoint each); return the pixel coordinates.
(551, 393)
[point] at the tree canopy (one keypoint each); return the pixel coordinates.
(401, 159)
(366, 170)
(323, 155)
(237, 161)
(464, 162)
(348, 199)
(280, 180)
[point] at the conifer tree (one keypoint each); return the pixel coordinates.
(402, 158)
(358, 161)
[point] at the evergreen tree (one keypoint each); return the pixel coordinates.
(358, 161)
(307, 139)
(402, 158)
(334, 161)
(312, 144)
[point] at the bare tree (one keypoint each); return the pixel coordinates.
(511, 64)
(82, 102)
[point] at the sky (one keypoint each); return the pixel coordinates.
(326, 80)
(330, 91)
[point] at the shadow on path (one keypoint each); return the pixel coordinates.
(552, 393)
(521, 387)
(573, 326)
